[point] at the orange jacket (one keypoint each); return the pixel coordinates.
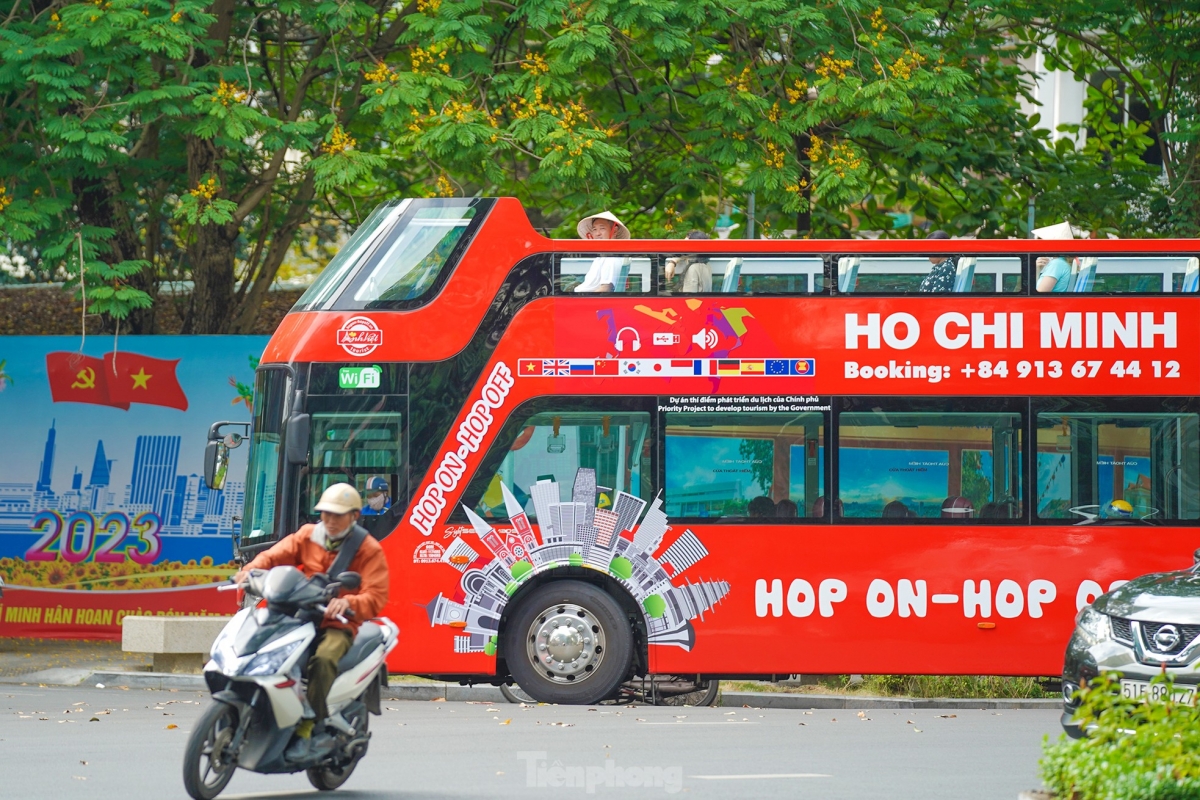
(299, 550)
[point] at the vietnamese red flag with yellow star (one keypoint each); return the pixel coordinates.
(76, 378)
(142, 379)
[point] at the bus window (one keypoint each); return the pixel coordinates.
(1171, 274)
(359, 441)
(629, 274)
(1118, 466)
(963, 273)
(722, 465)
(929, 465)
(411, 256)
(555, 446)
(329, 283)
(699, 274)
(266, 437)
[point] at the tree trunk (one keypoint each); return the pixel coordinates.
(210, 253)
(99, 208)
(281, 243)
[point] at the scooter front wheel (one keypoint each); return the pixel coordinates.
(207, 764)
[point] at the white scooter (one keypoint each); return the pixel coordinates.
(258, 687)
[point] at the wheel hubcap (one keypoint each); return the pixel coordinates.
(566, 643)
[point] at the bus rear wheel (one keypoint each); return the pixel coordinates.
(569, 642)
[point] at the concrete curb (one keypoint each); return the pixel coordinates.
(451, 692)
(823, 701)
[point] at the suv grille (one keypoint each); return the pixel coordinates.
(1122, 630)
(1155, 635)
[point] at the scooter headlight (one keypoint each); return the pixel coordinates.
(270, 661)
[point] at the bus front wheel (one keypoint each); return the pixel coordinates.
(569, 642)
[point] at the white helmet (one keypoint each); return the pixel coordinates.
(340, 498)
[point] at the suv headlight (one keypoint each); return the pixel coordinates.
(270, 661)
(1092, 626)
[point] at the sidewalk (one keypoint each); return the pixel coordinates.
(86, 663)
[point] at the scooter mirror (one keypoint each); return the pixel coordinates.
(350, 580)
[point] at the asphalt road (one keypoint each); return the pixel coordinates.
(50, 749)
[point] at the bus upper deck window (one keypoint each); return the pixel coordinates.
(699, 273)
(1177, 274)
(957, 273)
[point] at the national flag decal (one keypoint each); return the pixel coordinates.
(660, 367)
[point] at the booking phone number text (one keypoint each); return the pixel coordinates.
(984, 370)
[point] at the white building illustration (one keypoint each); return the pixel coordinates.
(576, 533)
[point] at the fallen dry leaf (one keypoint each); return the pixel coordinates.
(83, 762)
(172, 726)
(948, 716)
(438, 700)
(916, 730)
(507, 721)
(94, 719)
(862, 713)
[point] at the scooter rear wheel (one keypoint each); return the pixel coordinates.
(207, 766)
(328, 778)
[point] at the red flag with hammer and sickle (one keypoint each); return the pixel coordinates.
(76, 378)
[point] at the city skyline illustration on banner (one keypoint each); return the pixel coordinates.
(102, 490)
(588, 530)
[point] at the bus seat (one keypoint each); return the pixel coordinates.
(1191, 276)
(847, 273)
(733, 271)
(622, 284)
(1085, 275)
(964, 276)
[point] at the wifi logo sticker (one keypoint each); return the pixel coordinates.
(706, 338)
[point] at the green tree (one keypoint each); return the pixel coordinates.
(197, 139)
(1141, 62)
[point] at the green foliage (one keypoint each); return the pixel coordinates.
(760, 454)
(1134, 749)
(976, 486)
(200, 140)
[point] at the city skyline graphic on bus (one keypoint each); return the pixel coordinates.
(586, 531)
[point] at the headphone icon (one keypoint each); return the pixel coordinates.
(637, 340)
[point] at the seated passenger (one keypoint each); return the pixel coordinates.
(1054, 275)
(786, 508)
(695, 274)
(602, 275)
(761, 507)
(945, 269)
(897, 510)
(819, 507)
(993, 511)
(957, 508)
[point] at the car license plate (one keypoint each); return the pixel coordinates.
(1156, 691)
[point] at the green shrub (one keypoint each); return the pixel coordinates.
(1134, 749)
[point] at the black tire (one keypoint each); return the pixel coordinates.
(584, 626)
(705, 695)
(328, 778)
(204, 777)
(515, 694)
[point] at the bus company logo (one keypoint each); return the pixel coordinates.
(359, 336)
(428, 553)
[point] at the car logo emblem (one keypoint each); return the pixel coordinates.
(359, 336)
(1166, 638)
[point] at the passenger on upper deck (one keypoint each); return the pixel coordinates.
(945, 268)
(602, 275)
(1054, 274)
(694, 271)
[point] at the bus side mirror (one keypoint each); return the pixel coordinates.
(299, 428)
(216, 464)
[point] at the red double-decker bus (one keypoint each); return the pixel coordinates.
(814, 467)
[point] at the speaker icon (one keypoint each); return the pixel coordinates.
(706, 339)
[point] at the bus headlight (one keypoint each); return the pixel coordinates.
(1092, 626)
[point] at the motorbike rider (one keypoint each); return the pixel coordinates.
(313, 549)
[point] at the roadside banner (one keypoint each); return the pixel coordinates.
(103, 507)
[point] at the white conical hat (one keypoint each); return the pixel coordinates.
(1062, 230)
(585, 225)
